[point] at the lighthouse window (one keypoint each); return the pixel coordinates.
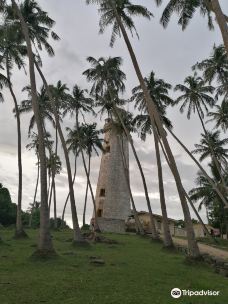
(99, 213)
(107, 149)
(102, 192)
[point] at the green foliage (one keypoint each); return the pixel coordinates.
(8, 210)
(135, 271)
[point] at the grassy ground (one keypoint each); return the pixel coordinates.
(135, 271)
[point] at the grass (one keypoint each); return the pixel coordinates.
(135, 271)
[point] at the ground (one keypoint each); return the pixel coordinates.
(204, 248)
(136, 271)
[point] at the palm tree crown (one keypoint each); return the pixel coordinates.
(209, 141)
(195, 95)
(125, 10)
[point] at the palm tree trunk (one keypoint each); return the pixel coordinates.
(45, 245)
(19, 228)
(154, 233)
(96, 226)
(138, 225)
(75, 172)
(50, 197)
(222, 21)
(168, 242)
(36, 188)
(201, 168)
(77, 232)
(86, 194)
(54, 201)
(156, 122)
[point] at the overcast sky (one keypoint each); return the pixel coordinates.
(170, 53)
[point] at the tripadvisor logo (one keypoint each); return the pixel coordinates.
(177, 293)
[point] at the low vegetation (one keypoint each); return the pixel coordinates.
(135, 268)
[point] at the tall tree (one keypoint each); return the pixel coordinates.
(187, 8)
(215, 68)
(118, 14)
(45, 246)
(220, 116)
(13, 52)
(159, 91)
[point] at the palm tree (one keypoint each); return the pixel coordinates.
(108, 80)
(36, 26)
(44, 106)
(76, 105)
(207, 196)
(93, 143)
(45, 245)
(186, 9)
(213, 141)
(55, 166)
(78, 138)
(215, 68)
(159, 91)
(220, 116)
(118, 14)
(195, 95)
(12, 52)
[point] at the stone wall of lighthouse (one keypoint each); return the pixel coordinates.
(112, 195)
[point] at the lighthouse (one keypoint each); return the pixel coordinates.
(112, 194)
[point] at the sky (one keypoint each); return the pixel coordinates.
(170, 53)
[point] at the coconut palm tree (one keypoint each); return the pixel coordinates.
(205, 194)
(45, 245)
(13, 51)
(78, 104)
(159, 91)
(118, 14)
(186, 10)
(220, 116)
(93, 143)
(44, 106)
(78, 138)
(195, 96)
(215, 68)
(212, 141)
(55, 166)
(108, 80)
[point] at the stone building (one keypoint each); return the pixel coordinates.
(112, 195)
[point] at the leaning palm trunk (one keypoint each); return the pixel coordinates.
(45, 245)
(77, 232)
(86, 194)
(222, 21)
(19, 228)
(212, 183)
(154, 232)
(156, 122)
(168, 242)
(34, 198)
(138, 225)
(96, 226)
(68, 196)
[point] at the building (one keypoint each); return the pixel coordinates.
(174, 227)
(145, 220)
(112, 195)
